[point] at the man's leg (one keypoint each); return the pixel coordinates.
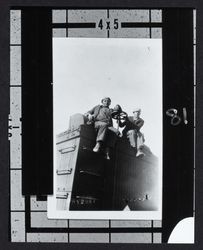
(135, 141)
(101, 129)
(132, 137)
(140, 143)
(140, 140)
(112, 134)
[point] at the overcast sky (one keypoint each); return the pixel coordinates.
(129, 71)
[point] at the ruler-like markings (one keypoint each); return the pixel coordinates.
(74, 25)
(115, 22)
(106, 24)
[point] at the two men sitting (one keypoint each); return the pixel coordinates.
(106, 135)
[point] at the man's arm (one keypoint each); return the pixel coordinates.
(90, 113)
(139, 123)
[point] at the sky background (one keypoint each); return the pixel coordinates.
(129, 71)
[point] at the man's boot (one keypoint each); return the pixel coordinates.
(97, 147)
(140, 153)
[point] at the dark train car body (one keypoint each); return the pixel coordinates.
(85, 180)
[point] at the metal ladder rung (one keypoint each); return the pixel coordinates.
(64, 171)
(67, 150)
(62, 196)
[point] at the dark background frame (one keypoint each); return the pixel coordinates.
(4, 106)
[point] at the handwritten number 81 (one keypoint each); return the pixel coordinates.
(175, 118)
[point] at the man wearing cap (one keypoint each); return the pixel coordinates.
(101, 116)
(132, 128)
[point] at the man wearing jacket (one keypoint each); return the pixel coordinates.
(100, 115)
(132, 128)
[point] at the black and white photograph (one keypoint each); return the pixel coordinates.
(102, 125)
(107, 128)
